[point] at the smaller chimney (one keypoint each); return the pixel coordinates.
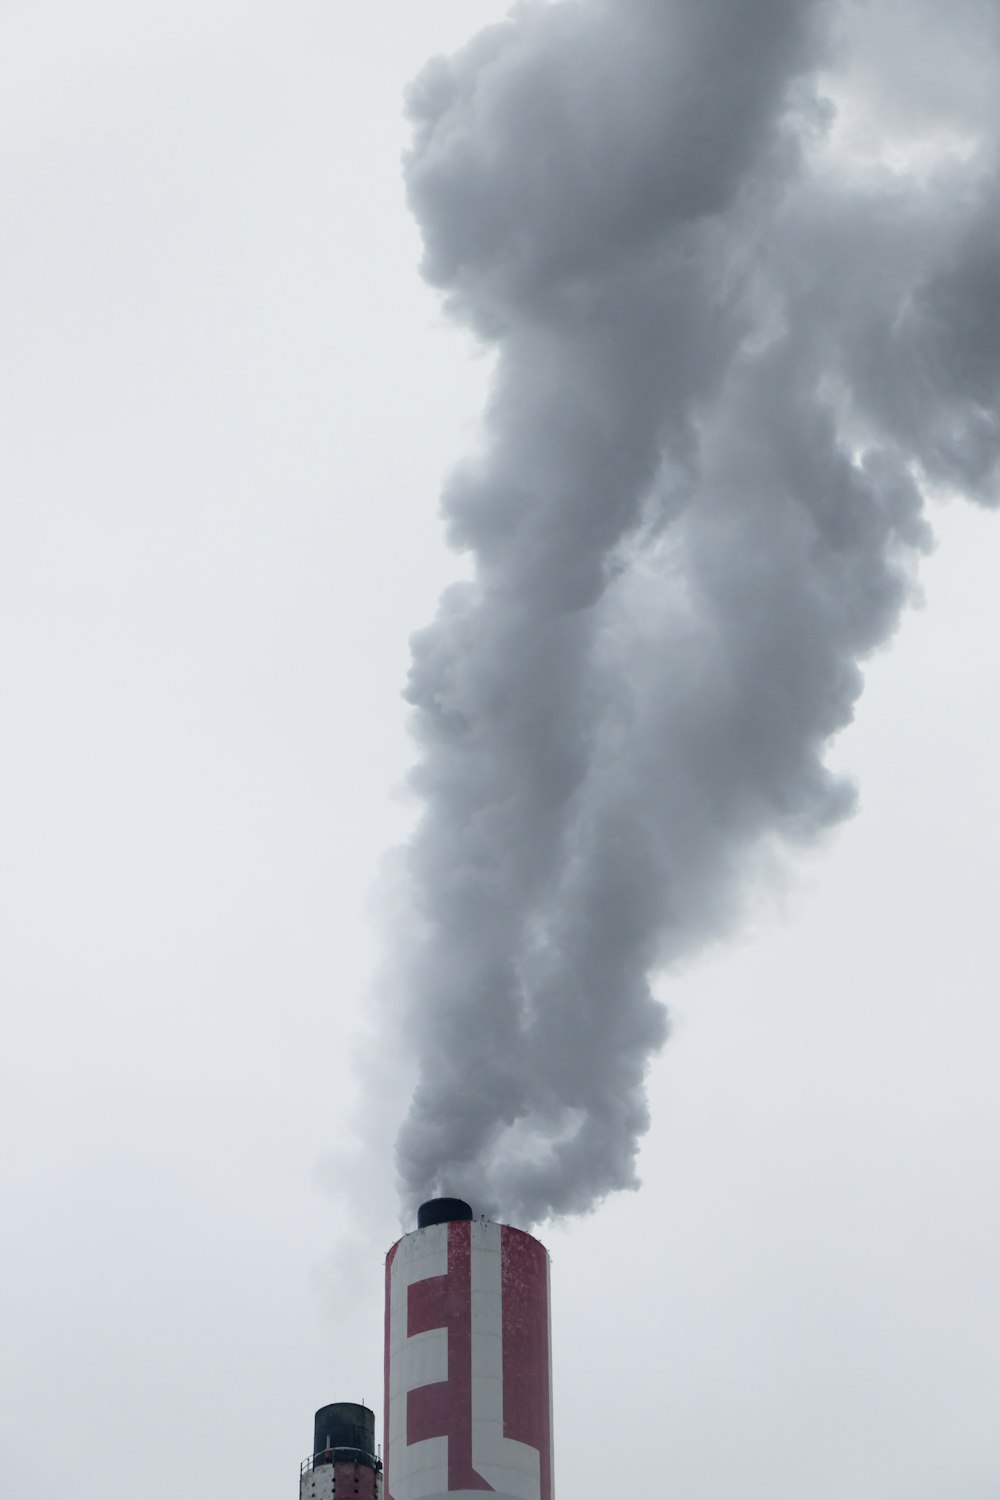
(343, 1460)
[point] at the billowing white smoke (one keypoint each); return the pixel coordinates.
(739, 262)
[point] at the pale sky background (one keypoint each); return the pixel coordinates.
(227, 405)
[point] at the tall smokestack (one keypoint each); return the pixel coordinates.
(343, 1460)
(468, 1398)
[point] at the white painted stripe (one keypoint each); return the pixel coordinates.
(417, 1470)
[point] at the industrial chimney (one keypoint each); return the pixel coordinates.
(343, 1464)
(468, 1399)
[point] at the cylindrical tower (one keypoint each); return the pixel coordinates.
(468, 1387)
(343, 1464)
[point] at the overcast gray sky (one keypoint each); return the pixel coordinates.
(229, 403)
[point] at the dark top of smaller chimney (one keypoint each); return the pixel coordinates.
(344, 1433)
(442, 1211)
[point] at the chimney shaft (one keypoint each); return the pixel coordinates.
(343, 1461)
(468, 1378)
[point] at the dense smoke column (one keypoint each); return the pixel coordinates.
(725, 372)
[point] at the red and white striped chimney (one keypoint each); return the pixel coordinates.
(468, 1386)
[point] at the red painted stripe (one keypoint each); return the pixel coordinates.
(524, 1273)
(354, 1479)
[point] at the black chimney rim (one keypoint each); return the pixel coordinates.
(443, 1211)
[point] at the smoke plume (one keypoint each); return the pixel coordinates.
(738, 262)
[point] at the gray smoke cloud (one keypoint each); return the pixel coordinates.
(739, 264)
